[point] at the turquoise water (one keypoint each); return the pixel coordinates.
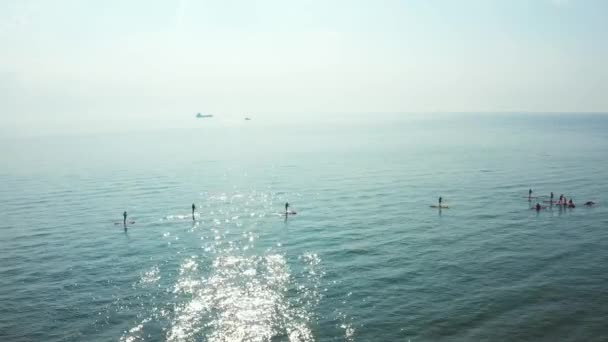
(365, 258)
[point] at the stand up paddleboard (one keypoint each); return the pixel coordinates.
(130, 222)
(439, 206)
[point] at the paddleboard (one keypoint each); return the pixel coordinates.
(130, 222)
(439, 207)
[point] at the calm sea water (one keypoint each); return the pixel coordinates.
(365, 258)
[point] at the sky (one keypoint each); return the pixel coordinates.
(92, 65)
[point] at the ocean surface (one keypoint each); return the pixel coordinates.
(364, 259)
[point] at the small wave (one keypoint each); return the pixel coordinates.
(135, 333)
(180, 217)
(151, 276)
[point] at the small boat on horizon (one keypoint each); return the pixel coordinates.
(199, 115)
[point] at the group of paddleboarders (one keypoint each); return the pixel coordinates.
(287, 212)
(562, 201)
(124, 217)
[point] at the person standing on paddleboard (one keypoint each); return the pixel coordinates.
(529, 194)
(286, 208)
(124, 218)
(440, 200)
(193, 208)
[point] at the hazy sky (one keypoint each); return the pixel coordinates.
(67, 64)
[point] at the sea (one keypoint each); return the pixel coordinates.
(366, 257)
